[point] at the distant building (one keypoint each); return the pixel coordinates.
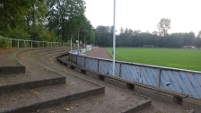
(189, 47)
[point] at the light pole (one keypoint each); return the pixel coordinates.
(114, 39)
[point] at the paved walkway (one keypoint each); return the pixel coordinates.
(99, 52)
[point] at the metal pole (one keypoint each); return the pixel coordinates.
(114, 38)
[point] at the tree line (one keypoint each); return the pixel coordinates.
(135, 38)
(64, 20)
(45, 20)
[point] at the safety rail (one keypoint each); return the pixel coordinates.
(30, 43)
(177, 97)
(170, 79)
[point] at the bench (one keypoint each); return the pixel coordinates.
(177, 97)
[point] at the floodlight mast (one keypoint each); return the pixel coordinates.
(114, 39)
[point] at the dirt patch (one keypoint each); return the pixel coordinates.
(7, 57)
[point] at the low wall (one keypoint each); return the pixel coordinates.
(172, 79)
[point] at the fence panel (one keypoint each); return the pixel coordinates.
(149, 76)
(183, 82)
(80, 61)
(91, 64)
(141, 74)
(73, 58)
(130, 72)
(105, 67)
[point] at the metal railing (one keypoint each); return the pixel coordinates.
(32, 43)
(172, 79)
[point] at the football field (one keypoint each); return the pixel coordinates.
(189, 59)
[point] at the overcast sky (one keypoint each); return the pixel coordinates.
(144, 15)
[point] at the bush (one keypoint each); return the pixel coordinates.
(4, 43)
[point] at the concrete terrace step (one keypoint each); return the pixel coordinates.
(6, 80)
(116, 102)
(12, 69)
(32, 84)
(25, 101)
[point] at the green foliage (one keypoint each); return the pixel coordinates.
(18, 33)
(49, 36)
(130, 38)
(197, 42)
(4, 43)
(103, 36)
(61, 14)
(44, 20)
(161, 57)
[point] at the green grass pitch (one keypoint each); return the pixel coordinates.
(176, 58)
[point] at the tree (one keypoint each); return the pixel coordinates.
(36, 13)
(199, 34)
(60, 11)
(164, 26)
(103, 36)
(12, 15)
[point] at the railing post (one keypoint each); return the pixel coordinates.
(159, 77)
(31, 44)
(11, 45)
(120, 70)
(98, 65)
(76, 59)
(84, 62)
(18, 44)
(139, 74)
(24, 44)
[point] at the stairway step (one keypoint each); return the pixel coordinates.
(113, 101)
(11, 79)
(24, 101)
(32, 84)
(12, 69)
